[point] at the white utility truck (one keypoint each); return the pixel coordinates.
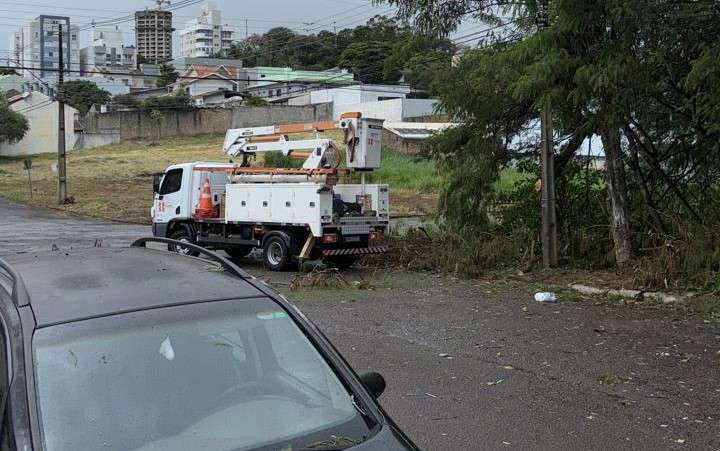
(292, 214)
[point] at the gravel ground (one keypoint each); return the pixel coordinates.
(480, 365)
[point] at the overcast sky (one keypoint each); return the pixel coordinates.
(300, 15)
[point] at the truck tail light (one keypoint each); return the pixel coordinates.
(329, 238)
(374, 236)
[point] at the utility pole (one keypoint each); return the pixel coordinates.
(335, 33)
(547, 162)
(246, 28)
(62, 176)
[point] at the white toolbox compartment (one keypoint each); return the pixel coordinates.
(284, 203)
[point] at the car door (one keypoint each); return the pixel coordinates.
(168, 204)
(5, 442)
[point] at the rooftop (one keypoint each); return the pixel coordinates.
(209, 71)
(286, 74)
(77, 284)
(417, 130)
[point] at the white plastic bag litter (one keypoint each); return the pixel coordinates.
(545, 296)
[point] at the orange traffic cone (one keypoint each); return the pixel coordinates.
(205, 206)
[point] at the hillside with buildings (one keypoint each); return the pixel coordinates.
(197, 63)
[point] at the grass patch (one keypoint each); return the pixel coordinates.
(115, 181)
(509, 178)
(406, 172)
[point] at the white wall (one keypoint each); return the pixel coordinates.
(209, 85)
(419, 107)
(8, 82)
(396, 110)
(352, 95)
(42, 136)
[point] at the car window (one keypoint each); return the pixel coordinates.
(172, 181)
(242, 377)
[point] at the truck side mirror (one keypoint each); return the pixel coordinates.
(156, 183)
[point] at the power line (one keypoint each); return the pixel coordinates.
(131, 16)
(37, 106)
(299, 44)
(180, 77)
(473, 36)
(324, 85)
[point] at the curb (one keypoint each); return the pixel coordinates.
(637, 295)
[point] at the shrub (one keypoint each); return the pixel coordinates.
(278, 160)
(255, 101)
(127, 100)
(181, 99)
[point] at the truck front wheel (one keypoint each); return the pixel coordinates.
(276, 254)
(183, 236)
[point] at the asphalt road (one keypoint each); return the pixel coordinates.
(478, 364)
(24, 229)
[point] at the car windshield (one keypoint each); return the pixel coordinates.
(237, 375)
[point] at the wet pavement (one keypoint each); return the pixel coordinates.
(478, 364)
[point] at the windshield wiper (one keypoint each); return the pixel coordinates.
(334, 443)
(324, 448)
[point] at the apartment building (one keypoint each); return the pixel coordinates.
(109, 51)
(205, 35)
(35, 48)
(153, 35)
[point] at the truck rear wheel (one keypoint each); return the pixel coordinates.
(276, 254)
(182, 235)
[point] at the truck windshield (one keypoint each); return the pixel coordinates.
(230, 375)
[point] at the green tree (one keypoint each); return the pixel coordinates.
(157, 116)
(430, 53)
(13, 125)
(366, 60)
(83, 94)
(641, 75)
(380, 51)
(168, 75)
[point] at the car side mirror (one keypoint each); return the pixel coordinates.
(374, 383)
(156, 183)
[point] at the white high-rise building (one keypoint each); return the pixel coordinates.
(206, 35)
(109, 51)
(35, 48)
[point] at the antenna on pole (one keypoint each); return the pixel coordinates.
(160, 4)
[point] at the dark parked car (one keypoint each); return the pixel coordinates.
(143, 349)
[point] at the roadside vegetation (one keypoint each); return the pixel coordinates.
(640, 77)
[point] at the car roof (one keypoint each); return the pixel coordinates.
(72, 285)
